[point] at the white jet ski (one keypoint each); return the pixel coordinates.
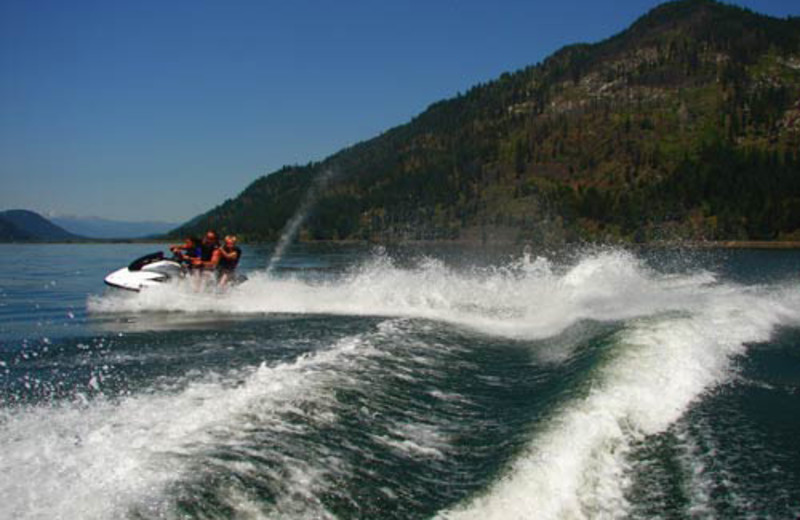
(148, 271)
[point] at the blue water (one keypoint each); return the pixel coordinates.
(444, 382)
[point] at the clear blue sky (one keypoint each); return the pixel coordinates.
(161, 109)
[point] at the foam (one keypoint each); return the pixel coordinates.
(416, 439)
(527, 299)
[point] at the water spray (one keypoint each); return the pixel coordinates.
(318, 185)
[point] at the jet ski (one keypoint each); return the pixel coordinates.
(153, 270)
(148, 271)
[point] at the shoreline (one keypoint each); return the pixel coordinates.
(730, 244)
(718, 244)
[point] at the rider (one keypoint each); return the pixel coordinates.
(186, 252)
(207, 259)
(228, 257)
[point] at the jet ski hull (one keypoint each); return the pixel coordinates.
(147, 271)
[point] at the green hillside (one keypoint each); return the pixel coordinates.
(684, 126)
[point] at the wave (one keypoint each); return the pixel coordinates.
(531, 298)
(680, 336)
(101, 458)
(578, 465)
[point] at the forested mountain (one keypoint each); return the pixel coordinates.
(19, 225)
(684, 126)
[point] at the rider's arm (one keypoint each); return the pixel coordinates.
(230, 256)
(214, 259)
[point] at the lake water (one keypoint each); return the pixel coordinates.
(354, 382)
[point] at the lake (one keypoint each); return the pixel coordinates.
(435, 382)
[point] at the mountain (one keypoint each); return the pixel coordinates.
(684, 126)
(19, 225)
(11, 233)
(95, 227)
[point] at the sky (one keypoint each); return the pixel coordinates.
(160, 110)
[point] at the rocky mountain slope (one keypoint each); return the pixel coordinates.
(684, 126)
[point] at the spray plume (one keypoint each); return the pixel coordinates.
(318, 186)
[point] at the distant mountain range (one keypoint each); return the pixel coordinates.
(684, 126)
(95, 227)
(19, 225)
